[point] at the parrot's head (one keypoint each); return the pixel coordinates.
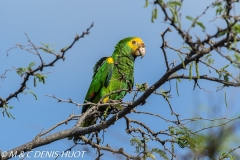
(133, 46)
(137, 46)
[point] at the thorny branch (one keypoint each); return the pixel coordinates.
(27, 75)
(206, 77)
(164, 45)
(108, 148)
(197, 49)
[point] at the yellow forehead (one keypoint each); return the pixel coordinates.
(135, 46)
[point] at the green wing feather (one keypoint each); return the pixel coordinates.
(101, 78)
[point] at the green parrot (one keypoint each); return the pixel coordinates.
(114, 73)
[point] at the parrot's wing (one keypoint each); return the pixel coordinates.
(102, 74)
(98, 65)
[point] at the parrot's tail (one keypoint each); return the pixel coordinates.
(87, 123)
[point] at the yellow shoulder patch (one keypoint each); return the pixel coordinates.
(110, 60)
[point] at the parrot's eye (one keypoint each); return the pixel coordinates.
(134, 42)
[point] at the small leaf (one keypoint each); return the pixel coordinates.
(146, 3)
(197, 70)
(182, 61)
(175, 3)
(190, 71)
(154, 14)
(225, 67)
(225, 98)
(31, 65)
(221, 33)
(190, 18)
(201, 25)
(160, 2)
(11, 116)
(45, 45)
(225, 77)
(35, 82)
(20, 71)
(160, 152)
(151, 156)
(33, 94)
(40, 77)
(7, 114)
(174, 14)
(177, 87)
(236, 28)
(43, 79)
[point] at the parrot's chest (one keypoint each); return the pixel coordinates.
(120, 82)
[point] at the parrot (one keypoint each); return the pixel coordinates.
(113, 74)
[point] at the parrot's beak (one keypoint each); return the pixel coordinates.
(141, 51)
(138, 48)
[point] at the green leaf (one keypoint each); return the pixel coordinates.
(146, 3)
(196, 22)
(219, 7)
(137, 143)
(105, 114)
(225, 77)
(177, 87)
(174, 14)
(175, 3)
(225, 99)
(187, 47)
(224, 155)
(237, 57)
(154, 14)
(160, 152)
(171, 130)
(160, 2)
(197, 70)
(47, 48)
(221, 33)
(201, 25)
(40, 77)
(190, 18)
(45, 45)
(33, 94)
(182, 61)
(20, 71)
(35, 82)
(225, 67)
(142, 87)
(11, 116)
(172, 145)
(151, 156)
(236, 28)
(7, 114)
(31, 65)
(209, 59)
(190, 71)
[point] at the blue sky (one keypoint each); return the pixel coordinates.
(56, 23)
